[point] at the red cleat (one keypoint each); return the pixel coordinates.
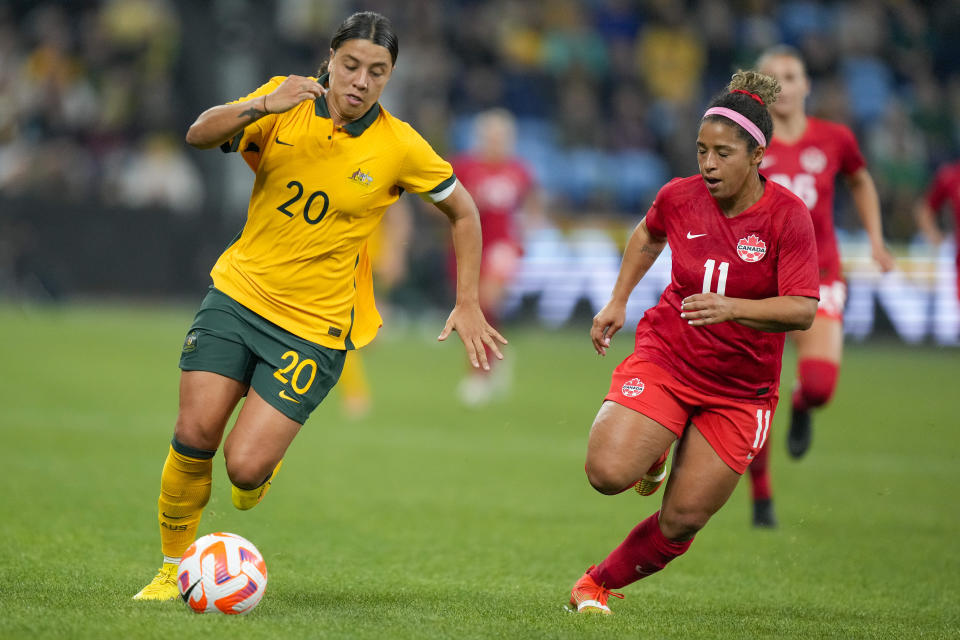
(589, 597)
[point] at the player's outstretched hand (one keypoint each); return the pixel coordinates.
(707, 308)
(468, 321)
(606, 323)
(291, 92)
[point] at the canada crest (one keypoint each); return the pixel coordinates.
(751, 248)
(813, 160)
(632, 387)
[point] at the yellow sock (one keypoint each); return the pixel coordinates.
(354, 387)
(244, 499)
(184, 492)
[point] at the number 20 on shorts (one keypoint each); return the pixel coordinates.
(297, 365)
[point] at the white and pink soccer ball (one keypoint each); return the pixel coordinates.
(222, 573)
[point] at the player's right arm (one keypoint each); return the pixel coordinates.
(218, 124)
(641, 252)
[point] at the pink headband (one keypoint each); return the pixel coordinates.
(741, 120)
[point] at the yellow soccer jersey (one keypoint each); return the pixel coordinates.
(319, 192)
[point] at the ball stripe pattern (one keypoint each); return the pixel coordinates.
(222, 573)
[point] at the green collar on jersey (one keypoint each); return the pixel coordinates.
(354, 128)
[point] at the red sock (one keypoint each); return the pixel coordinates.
(816, 380)
(644, 552)
(760, 473)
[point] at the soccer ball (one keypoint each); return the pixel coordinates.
(222, 573)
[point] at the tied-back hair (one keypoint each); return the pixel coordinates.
(365, 25)
(749, 93)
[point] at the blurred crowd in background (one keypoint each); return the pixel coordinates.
(95, 95)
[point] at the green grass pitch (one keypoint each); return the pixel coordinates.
(425, 520)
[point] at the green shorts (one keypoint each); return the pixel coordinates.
(292, 374)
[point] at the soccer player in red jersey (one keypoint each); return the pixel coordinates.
(706, 364)
(806, 155)
(944, 188)
(502, 186)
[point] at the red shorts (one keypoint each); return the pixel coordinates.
(501, 260)
(833, 298)
(735, 428)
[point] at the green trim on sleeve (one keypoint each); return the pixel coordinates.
(445, 184)
(440, 192)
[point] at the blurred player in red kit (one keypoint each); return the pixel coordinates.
(706, 364)
(806, 155)
(502, 187)
(944, 188)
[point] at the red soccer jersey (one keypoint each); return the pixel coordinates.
(809, 168)
(946, 186)
(768, 250)
(499, 189)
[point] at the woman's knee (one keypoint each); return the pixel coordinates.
(247, 472)
(609, 479)
(682, 523)
(195, 432)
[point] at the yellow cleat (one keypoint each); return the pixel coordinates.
(652, 479)
(163, 586)
(244, 499)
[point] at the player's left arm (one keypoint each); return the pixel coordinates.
(777, 314)
(926, 220)
(466, 318)
(797, 284)
(926, 207)
(867, 203)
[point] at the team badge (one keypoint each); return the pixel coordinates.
(632, 387)
(751, 248)
(361, 177)
(190, 343)
(813, 160)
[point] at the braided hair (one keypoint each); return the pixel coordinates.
(749, 93)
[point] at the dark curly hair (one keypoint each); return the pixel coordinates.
(749, 93)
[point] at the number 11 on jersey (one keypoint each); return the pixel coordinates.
(721, 278)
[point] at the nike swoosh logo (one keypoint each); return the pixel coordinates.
(186, 594)
(691, 236)
(283, 394)
(174, 517)
(286, 144)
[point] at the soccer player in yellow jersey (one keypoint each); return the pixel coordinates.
(293, 292)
